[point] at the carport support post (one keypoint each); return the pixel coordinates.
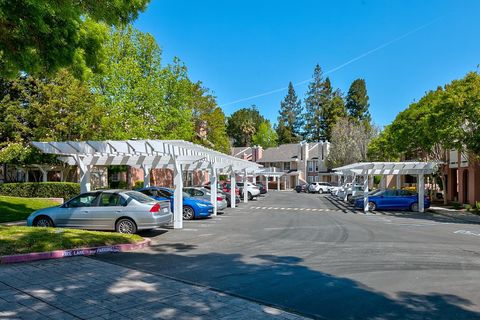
(365, 193)
(146, 175)
(233, 196)
(399, 182)
(245, 191)
(266, 182)
(177, 195)
(421, 192)
(213, 189)
(84, 175)
(279, 179)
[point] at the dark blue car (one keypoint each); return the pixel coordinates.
(192, 208)
(394, 200)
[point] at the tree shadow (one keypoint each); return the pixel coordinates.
(282, 281)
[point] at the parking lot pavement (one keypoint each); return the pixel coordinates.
(327, 263)
(82, 288)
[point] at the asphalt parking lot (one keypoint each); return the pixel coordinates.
(311, 255)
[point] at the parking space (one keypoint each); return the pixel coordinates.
(323, 260)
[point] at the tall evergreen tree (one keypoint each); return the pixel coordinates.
(290, 120)
(319, 96)
(332, 112)
(357, 101)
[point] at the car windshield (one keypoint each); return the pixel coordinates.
(138, 196)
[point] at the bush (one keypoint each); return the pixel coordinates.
(467, 207)
(65, 190)
(456, 205)
(138, 184)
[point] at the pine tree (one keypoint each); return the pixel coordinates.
(332, 112)
(319, 96)
(357, 101)
(290, 120)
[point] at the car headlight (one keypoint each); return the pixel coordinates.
(202, 205)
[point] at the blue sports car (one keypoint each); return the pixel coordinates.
(393, 199)
(192, 208)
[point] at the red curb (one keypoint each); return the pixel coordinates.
(59, 254)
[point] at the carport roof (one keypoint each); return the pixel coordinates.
(137, 153)
(389, 168)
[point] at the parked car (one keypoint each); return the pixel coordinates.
(301, 188)
(319, 187)
(252, 190)
(192, 208)
(124, 211)
(261, 187)
(205, 194)
(393, 199)
(226, 193)
(224, 186)
(360, 195)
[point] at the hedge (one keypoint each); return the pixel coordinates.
(65, 190)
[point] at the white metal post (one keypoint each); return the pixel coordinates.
(146, 175)
(399, 182)
(421, 192)
(213, 189)
(177, 195)
(245, 191)
(85, 178)
(365, 194)
(278, 183)
(266, 182)
(233, 195)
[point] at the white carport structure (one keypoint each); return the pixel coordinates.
(177, 155)
(367, 169)
(270, 172)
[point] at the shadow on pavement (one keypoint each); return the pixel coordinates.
(283, 282)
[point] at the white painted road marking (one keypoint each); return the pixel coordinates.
(466, 232)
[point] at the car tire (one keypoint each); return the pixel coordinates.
(320, 191)
(372, 206)
(250, 196)
(349, 197)
(414, 207)
(188, 213)
(43, 221)
(126, 226)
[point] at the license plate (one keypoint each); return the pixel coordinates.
(165, 210)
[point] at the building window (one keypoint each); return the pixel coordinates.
(286, 166)
(311, 166)
(310, 179)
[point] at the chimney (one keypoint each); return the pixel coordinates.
(257, 153)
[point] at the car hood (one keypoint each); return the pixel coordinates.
(198, 201)
(45, 210)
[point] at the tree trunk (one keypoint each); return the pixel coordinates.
(444, 188)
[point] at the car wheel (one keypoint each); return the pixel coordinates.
(43, 221)
(372, 206)
(414, 207)
(126, 225)
(250, 197)
(349, 197)
(320, 191)
(188, 213)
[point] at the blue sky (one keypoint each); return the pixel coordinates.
(240, 49)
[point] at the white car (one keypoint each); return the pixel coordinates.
(253, 190)
(319, 187)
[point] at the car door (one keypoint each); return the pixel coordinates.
(387, 199)
(109, 207)
(77, 210)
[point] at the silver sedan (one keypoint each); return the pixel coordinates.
(124, 211)
(204, 194)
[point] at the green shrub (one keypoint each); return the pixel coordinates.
(65, 190)
(477, 205)
(456, 205)
(138, 184)
(467, 207)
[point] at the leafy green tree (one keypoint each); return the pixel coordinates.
(243, 124)
(42, 36)
(319, 95)
(265, 136)
(206, 111)
(141, 98)
(56, 109)
(357, 101)
(290, 120)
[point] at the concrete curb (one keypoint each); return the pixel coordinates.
(59, 254)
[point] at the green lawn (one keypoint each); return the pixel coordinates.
(16, 240)
(14, 208)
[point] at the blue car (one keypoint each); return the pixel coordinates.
(393, 199)
(192, 208)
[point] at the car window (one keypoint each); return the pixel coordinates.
(83, 200)
(138, 196)
(405, 193)
(198, 193)
(149, 192)
(108, 199)
(164, 193)
(390, 193)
